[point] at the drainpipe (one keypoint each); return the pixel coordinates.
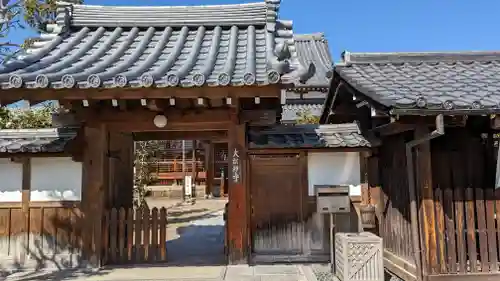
(411, 184)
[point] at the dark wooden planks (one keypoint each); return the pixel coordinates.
(481, 229)
(440, 232)
(471, 229)
(135, 236)
(490, 228)
(450, 230)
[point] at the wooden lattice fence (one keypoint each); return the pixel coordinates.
(135, 236)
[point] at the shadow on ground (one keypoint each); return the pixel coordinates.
(52, 274)
(173, 220)
(200, 243)
(186, 212)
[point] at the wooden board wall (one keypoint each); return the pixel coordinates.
(50, 231)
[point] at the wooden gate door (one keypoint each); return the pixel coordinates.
(276, 203)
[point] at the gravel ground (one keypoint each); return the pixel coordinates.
(323, 272)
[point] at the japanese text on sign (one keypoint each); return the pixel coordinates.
(235, 161)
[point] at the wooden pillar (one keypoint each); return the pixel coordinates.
(25, 197)
(377, 197)
(194, 172)
(94, 193)
(425, 193)
(237, 227)
(121, 175)
(209, 164)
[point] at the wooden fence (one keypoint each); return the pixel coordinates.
(468, 231)
(135, 236)
(395, 224)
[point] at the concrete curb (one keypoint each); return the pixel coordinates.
(308, 272)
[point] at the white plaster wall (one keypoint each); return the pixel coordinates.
(52, 179)
(334, 168)
(10, 181)
(56, 179)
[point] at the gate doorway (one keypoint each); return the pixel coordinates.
(182, 231)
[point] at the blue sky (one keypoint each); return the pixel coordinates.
(376, 26)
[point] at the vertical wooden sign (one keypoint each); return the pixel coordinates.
(236, 165)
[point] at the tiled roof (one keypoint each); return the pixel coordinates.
(289, 112)
(313, 48)
(35, 140)
(187, 46)
(308, 136)
(466, 80)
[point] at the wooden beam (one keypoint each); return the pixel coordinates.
(142, 120)
(180, 135)
(426, 211)
(308, 149)
(157, 105)
(449, 121)
(148, 126)
(258, 117)
(141, 93)
(393, 128)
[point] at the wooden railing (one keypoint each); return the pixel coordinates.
(176, 170)
(135, 236)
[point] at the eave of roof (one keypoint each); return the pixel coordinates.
(308, 136)
(188, 46)
(35, 140)
(460, 82)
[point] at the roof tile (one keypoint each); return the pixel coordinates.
(35, 140)
(313, 48)
(466, 80)
(109, 46)
(308, 136)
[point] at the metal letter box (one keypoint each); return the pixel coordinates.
(332, 199)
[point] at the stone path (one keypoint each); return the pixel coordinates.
(195, 234)
(199, 243)
(173, 273)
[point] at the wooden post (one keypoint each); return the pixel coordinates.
(238, 193)
(424, 188)
(209, 163)
(121, 170)
(376, 193)
(95, 188)
(194, 172)
(25, 197)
